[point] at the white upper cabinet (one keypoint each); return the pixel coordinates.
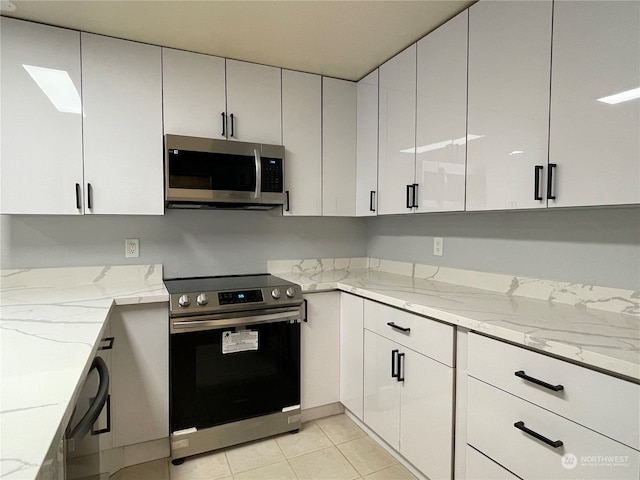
(254, 103)
(122, 102)
(41, 119)
(396, 134)
(302, 139)
(508, 104)
(338, 147)
(595, 141)
(441, 117)
(193, 92)
(367, 146)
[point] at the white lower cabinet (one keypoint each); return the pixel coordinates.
(483, 468)
(140, 374)
(320, 351)
(540, 417)
(351, 352)
(408, 396)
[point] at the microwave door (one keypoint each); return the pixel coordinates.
(196, 176)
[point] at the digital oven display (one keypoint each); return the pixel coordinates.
(242, 296)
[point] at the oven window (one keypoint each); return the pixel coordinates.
(209, 387)
(211, 171)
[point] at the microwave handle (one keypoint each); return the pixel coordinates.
(258, 173)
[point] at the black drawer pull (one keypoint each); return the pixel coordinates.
(536, 184)
(401, 367)
(550, 194)
(398, 327)
(372, 195)
(224, 121)
(78, 204)
(552, 443)
(524, 376)
(109, 344)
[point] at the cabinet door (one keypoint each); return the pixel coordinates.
(140, 380)
(122, 100)
(320, 351)
(41, 119)
(426, 414)
(339, 109)
(381, 390)
(507, 135)
(441, 117)
(254, 100)
(193, 93)
(397, 132)
(351, 352)
(596, 145)
(367, 146)
(302, 139)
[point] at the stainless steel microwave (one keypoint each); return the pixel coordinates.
(209, 173)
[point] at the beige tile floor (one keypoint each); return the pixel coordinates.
(332, 448)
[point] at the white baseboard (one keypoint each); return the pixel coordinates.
(322, 411)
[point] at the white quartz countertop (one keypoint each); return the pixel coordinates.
(51, 322)
(596, 338)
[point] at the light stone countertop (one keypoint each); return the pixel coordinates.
(51, 322)
(594, 337)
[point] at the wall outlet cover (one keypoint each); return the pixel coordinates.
(132, 248)
(438, 245)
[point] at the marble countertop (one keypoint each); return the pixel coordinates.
(602, 339)
(51, 321)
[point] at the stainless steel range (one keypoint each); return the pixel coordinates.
(234, 360)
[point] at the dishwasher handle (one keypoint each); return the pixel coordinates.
(83, 427)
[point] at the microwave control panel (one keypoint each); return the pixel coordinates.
(272, 175)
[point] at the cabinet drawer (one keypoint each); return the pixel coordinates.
(481, 467)
(584, 453)
(426, 336)
(590, 398)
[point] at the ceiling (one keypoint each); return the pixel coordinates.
(343, 39)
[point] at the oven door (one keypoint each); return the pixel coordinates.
(240, 369)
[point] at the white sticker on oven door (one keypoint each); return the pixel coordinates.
(242, 341)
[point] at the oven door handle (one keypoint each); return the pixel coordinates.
(196, 325)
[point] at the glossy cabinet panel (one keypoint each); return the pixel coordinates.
(302, 138)
(367, 146)
(122, 100)
(596, 145)
(338, 147)
(193, 93)
(381, 390)
(351, 352)
(396, 134)
(441, 117)
(254, 99)
(41, 119)
(508, 104)
(481, 467)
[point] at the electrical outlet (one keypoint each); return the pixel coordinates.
(132, 248)
(438, 245)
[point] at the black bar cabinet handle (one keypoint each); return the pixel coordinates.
(398, 327)
(414, 202)
(89, 195)
(401, 367)
(109, 344)
(224, 122)
(372, 196)
(552, 443)
(394, 373)
(550, 195)
(521, 374)
(409, 196)
(106, 429)
(286, 194)
(78, 200)
(231, 116)
(536, 186)
(305, 319)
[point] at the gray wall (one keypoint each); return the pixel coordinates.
(186, 242)
(593, 246)
(598, 246)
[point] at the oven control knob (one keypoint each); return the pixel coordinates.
(275, 293)
(184, 301)
(202, 299)
(291, 292)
